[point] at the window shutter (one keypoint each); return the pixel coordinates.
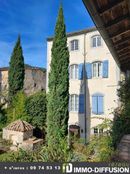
(89, 70)
(80, 76)
(81, 103)
(105, 69)
(94, 105)
(100, 105)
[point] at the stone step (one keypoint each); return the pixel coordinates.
(124, 158)
(125, 141)
(124, 148)
(126, 137)
(124, 154)
(124, 144)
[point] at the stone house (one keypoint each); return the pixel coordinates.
(20, 133)
(17, 132)
(35, 79)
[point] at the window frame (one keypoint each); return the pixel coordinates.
(96, 73)
(96, 37)
(99, 132)
(98, 95)
(73, 104)
(75, 47)
(73, 73)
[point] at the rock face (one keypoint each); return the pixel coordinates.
(35, 79)
(124, 148)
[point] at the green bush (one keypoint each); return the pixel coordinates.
(17, 108)
(3, 117)
(121, 122)
(100, 149)
(59, 152)
(36, 109)
(20, 156)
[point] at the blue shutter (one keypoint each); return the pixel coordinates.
(89, 70)
(100, 105)
(105, 69)
(80, 76)
(81, 103)
(94, 105)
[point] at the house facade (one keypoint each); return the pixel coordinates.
(35, 79)
(102, 79)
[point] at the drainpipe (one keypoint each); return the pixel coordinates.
(85, 102)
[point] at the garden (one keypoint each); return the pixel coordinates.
(48, 113)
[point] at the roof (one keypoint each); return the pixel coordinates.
(26, 67)
(76, 33)
(19, 126)
(4, 68)
(112, 20)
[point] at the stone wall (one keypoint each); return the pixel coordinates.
(35, 80)
(124, 148)
(16, 137)
(3, 80)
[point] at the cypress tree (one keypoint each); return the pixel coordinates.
(16, 70)
(58, 96)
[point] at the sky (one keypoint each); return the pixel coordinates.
(35, 20)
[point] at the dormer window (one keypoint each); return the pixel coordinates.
(96, 41)
(74, 45)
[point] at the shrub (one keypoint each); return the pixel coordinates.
(20, 156)
(121, 122)
(17, 108)
(58, 153)
(36, 109)
(3, 117)
(100, 149)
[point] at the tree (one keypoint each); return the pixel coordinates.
(58, 96)
(16, 70)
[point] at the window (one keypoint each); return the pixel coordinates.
(74, 45)
(74, 102)
(74, 72)
(96, 41)
(95, 130)
(98, 131)
(97, 104)
(97, 69)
